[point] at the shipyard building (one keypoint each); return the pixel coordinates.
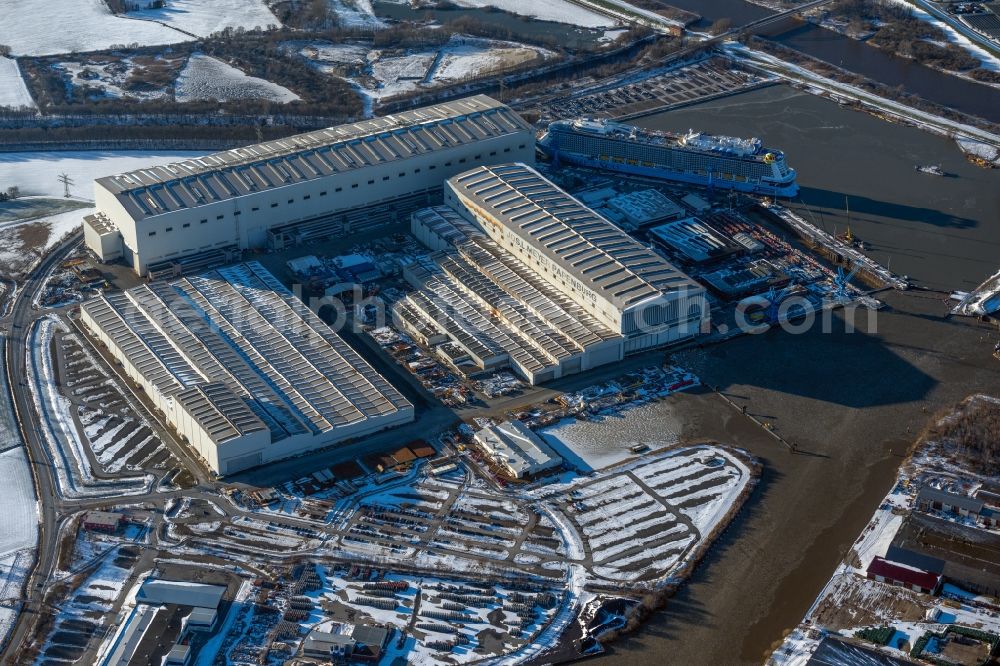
(524, 275)
(177, 218)
(241, 368)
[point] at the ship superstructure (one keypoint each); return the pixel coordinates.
(693, 157)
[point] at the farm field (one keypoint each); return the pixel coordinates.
(13, 91)
(559, 11)
(205, 17)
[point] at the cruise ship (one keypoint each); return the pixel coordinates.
(695, 157)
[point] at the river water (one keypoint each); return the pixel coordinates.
(943, 232)
(939, 87)
(863, 396)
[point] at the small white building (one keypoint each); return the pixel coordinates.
(513, 446)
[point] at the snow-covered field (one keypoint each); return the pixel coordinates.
(605, 441)
(559, 11)
(21, 248)
(35, 173)
(13, 91)
(204, 17)
(31, 27)
(18, 529)
(465, 61)
(356, 13)
(205, 77)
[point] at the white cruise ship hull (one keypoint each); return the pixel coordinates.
(786, 190)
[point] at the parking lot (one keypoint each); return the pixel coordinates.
(695, 82)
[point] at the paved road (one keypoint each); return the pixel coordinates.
(50, 506)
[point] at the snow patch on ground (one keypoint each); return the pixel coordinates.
(35, 173)
(17, 254)
(13, 91)
(205, 77)
(205, 17)
(19, 527)
(607, 441)
(356, 14)
(559, 11)
(379, 74)
(30, 27)
(66, 449)
(988, 60)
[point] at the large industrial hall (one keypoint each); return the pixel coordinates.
(173, 219)
(241, 368)
(525, 276)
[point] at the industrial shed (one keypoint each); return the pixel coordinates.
(175, 218)
(241, 368)
(626, 286)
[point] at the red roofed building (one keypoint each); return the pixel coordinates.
(911, 578)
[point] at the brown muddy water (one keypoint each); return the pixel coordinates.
(852, 403)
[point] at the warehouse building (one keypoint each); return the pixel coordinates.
(623, 284)
(693, 241)
(516, 449)
(175, 218)
(241, 368)
(478, 297)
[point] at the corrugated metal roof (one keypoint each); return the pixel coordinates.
(251, 350)
(219, 411)
(587, 246)
(234, 173)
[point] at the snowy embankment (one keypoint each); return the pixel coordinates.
(205, 17)
(204, 77)
(987, 59)
(13, 91)
(64, 446)
(558, 11)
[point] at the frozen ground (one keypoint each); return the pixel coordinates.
(596, 444)
(205, 77)
(13, 92)
(18, 529)
(383, 74)
(559, 11)
(35, 173)
(988, 60)
(356, 13)
(459, 62)
(31, 27)
(110, 76)
(204, 17)
(23, 243)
